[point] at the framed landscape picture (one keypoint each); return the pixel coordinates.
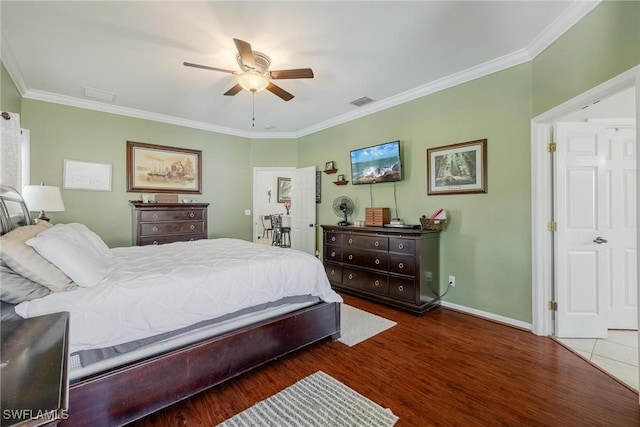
(284, 190)
(159, 169)
(457, 168)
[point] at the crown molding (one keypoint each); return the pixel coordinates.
(578, 10)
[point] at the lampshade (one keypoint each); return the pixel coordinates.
(252, 81)
(43, 198)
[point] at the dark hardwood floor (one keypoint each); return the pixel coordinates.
(442, 369)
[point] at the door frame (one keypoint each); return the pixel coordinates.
(542, 262)
(254, 202)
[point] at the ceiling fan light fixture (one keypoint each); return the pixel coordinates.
(252, 81)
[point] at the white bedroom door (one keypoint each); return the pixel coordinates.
(593, 265)
(303, 209)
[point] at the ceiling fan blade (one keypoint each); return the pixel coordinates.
(246, 53)
(298, 73)
(235, 89)
(277, 90)
(204, 67)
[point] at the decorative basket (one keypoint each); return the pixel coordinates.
(432, 224)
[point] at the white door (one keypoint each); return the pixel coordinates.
(303, 210)
(589, 243)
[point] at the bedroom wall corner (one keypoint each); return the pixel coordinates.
(10, 99)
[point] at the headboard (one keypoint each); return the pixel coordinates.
(13, 210)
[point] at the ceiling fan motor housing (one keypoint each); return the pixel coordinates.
(262, 62)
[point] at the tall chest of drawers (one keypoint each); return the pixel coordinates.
(399, 267)
(158, 223)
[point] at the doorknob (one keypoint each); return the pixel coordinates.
(599, 240)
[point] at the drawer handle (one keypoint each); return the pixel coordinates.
(155, 242)
(333, 238)
(377, 261)
(377, 283)
(192, 227)
(192, 239)
(401, 288)
(376, 244)
(155, 215)
(350, 276)
(333, 272)
(333, 254)
(350, 257)
(401, 265)
(350, 240)
(401, 246)
(191, 214)
(155, 228)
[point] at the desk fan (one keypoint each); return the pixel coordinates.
(343, 206)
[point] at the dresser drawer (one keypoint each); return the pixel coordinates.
(334, 273)
(333, 238)
(402, 264)
(369, 259)
(366, 281)
(172, 215)
(333, 253)
(402, 289)
(402, 246)
(162, 228)
(159, 240)
(377, 243)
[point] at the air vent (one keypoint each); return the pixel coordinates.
(361, 101)
(101, 95)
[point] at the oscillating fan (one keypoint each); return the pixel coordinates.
(343, 207)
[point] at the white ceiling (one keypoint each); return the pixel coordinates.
(389, 51)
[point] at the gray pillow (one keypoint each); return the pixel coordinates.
(15, 288)
(8, 312)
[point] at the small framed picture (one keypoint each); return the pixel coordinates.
(341, 178)
(328, 166)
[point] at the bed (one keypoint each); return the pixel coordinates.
(150, 326)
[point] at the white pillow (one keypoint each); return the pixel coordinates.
(79, 259)
(25, 261)
(86, 237)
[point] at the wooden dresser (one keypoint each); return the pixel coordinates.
(395, 266)
(158, 223)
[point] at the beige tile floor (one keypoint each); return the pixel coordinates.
(617, 354)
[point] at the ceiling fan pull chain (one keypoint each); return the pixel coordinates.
(253, 109)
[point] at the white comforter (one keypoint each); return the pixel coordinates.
(155, 289)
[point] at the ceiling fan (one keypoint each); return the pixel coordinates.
(255, 75)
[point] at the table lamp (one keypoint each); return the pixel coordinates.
(42, 198)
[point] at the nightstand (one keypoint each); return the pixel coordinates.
(33, 378)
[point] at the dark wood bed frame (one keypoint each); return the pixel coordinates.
(127, 393)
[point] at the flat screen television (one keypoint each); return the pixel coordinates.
(379, 163)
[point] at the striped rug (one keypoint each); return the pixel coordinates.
(317, 400)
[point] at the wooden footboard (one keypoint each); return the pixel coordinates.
(125, 394)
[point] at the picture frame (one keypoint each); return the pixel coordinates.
(329, 166)
(160, 169)
(86, 176)
(457, 168)
(284, 189)
(340, 178)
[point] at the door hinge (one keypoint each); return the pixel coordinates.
(552, 226)
(551, 147)
(553, 306)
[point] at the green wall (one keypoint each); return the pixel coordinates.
(10, 99)
(602, 45)
(487, 244)
(60, 132)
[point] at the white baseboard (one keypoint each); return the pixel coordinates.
(487, 315)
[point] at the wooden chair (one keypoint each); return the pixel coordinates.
(267, 226)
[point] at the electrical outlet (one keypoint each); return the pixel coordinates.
(452, 280)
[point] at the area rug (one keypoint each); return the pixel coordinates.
(358, 325)
(318, 400)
